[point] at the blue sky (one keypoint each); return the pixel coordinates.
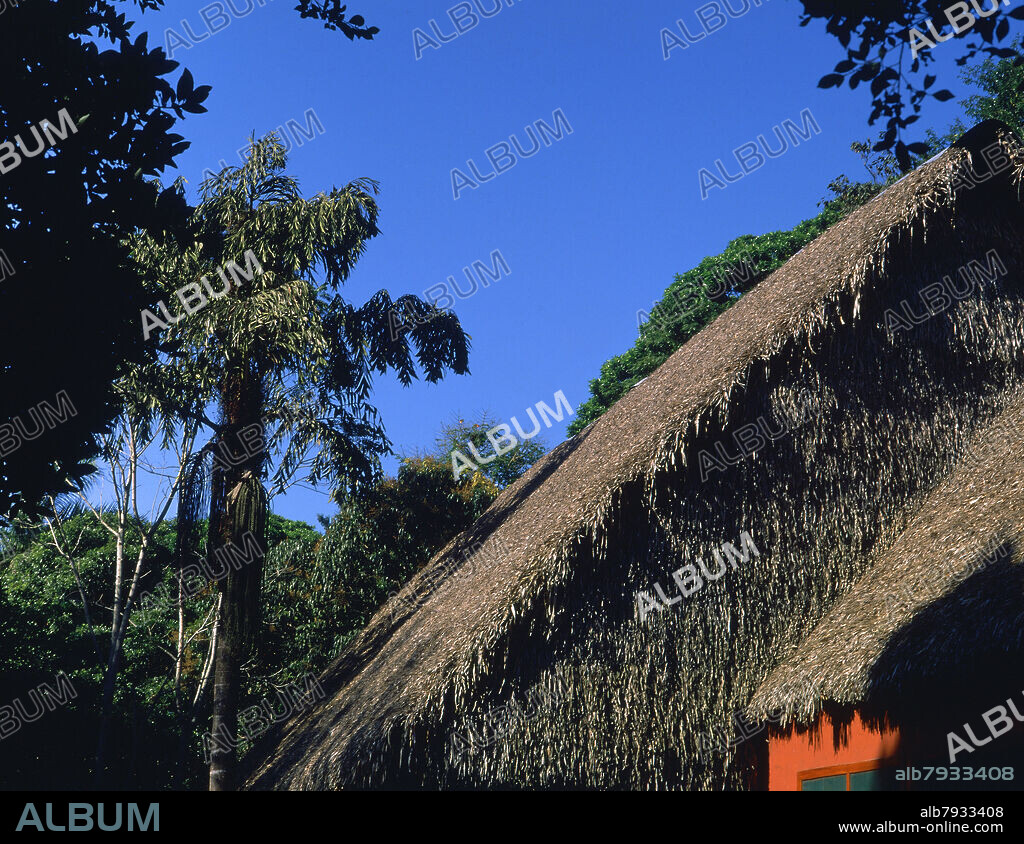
(592, 227)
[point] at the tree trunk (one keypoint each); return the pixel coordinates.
(106, 714)
(114, 662)
(223, 758)
(198, 702)
(191, 713)
(236, 509)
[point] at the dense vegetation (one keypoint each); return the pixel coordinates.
(319, 591)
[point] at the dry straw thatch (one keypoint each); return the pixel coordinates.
(621, 505)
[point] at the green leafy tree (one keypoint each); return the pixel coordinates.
(1001, 86)
(321, 594)
(501, 469)
(280, 348)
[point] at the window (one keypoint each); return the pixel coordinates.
(862, 776)
(834, 783)
(867, 781)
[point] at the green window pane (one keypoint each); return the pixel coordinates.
(867, 781)
(836, 783)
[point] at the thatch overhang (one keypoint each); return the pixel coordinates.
(540, 592)
(941, 609)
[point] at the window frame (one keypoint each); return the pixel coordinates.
(836, 770)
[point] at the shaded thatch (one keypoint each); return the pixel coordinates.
(621, 505)
(941, 607)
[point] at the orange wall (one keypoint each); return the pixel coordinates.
(794, 752)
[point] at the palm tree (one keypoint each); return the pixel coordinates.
(289, 363)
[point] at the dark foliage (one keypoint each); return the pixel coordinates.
(66, 212)
(332, 13)
(877, 37)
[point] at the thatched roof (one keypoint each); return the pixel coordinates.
(945, 595)
(546, 598)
